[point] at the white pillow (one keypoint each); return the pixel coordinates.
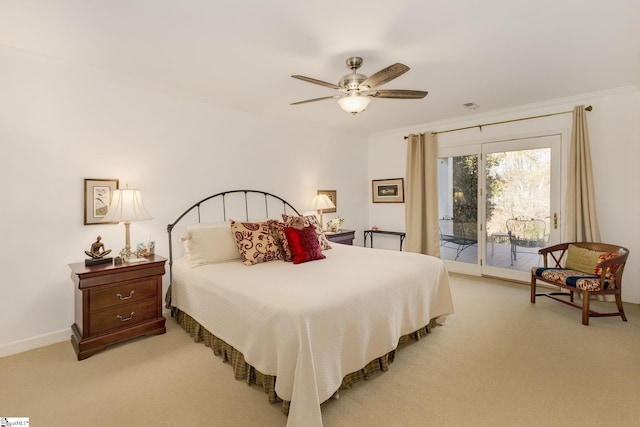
(209, 244)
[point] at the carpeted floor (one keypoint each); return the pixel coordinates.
(498, 361)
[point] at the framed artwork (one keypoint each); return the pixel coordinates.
(97, 197)
(388, 190)
(332, 194)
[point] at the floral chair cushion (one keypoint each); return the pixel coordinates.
(573, 278)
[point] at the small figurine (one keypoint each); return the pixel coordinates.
(335, 224)
(145, 249)
(97, 249)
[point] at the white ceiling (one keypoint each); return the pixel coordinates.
(241, 53)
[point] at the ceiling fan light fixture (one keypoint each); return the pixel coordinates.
(354, 103)
(356, 90)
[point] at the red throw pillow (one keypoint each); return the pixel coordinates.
(303, 244)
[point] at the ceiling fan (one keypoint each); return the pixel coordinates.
(356, 90)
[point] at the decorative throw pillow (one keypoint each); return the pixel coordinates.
(611, 271)
(255, 242)
(303, 244)
(586, 260)
(209, 244)
(581, 259)
(277, 232)
(300, 222)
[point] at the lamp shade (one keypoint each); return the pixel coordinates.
(322, 201)
(126, 206)
(354, 103)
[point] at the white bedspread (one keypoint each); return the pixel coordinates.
(313, 323)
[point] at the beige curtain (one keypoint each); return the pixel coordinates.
(581, 222)
(421, 195)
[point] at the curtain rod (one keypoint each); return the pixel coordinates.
(588, 108)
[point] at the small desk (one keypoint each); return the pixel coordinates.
(369, 233)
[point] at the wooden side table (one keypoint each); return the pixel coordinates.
(114, 303)
(343, 236)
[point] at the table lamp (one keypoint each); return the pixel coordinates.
(320, 202)
(127, 206)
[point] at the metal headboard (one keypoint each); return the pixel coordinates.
(197, 208)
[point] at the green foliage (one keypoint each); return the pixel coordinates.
(465, 187)
(525, 186)
(517, 184)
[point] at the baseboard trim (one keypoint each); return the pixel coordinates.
(35, 342)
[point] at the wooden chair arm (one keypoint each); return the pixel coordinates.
(620, 260)
(550, 250)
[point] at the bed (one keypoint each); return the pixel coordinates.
(301, 331)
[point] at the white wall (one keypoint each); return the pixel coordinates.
(614, 130)
(60, 124)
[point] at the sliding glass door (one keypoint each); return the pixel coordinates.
(499, 203)
(458, 204)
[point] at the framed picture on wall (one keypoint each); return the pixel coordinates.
(388, 190)
(332, 195)
(97, 197)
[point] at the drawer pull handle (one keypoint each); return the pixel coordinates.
(124, 319)
(124, 298)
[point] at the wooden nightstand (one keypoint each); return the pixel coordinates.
(114, 303)
(343, 236)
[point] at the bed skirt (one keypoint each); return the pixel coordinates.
(243, 371)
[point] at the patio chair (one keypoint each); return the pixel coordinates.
(461, 235)
(588, 269)
(526, 233)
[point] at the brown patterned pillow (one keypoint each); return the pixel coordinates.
(277, 232)
(255, 242)
(299, 222)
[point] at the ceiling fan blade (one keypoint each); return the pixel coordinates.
(315, 81)
(399, 94)
(315, 99)
(385, 75)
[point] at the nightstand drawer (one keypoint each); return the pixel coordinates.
(123, 316)
(129, 292)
